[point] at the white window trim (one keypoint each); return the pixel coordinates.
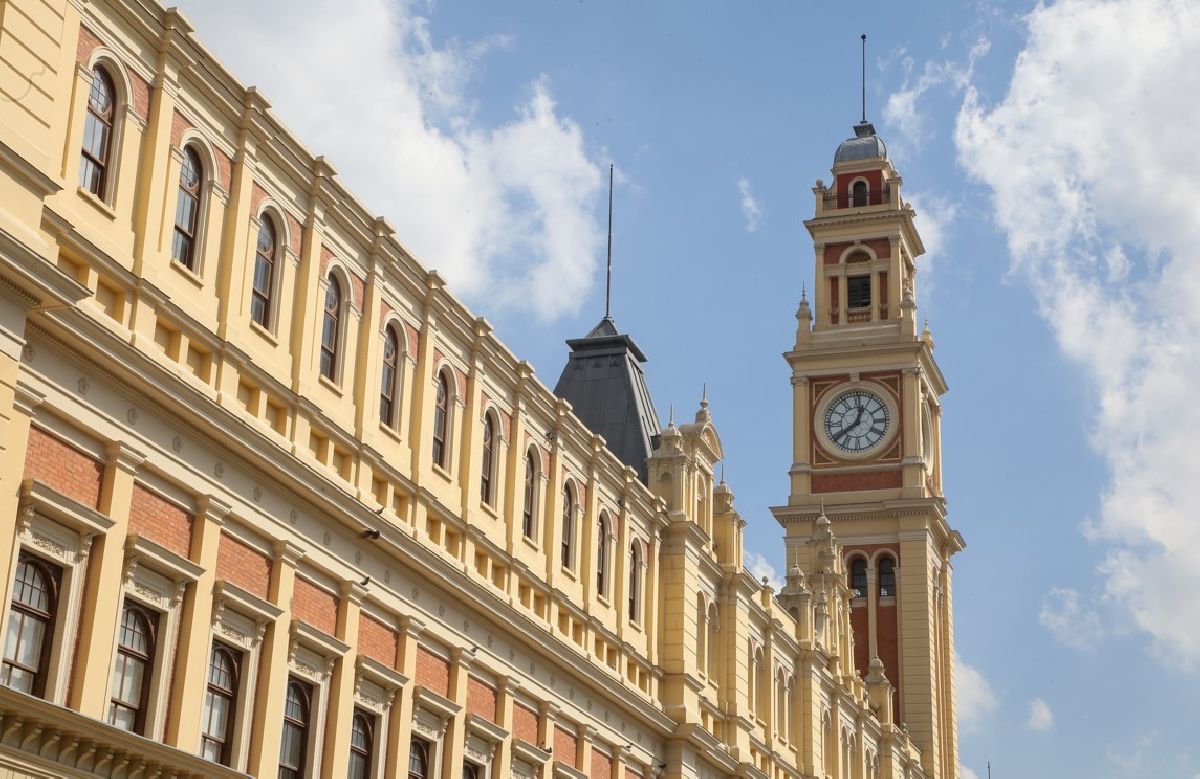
(311, 657)
(375, 689)
(431, 715)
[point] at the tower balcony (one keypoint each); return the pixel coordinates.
(857, 198)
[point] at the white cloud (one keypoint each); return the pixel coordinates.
(935, 218)
(1069, 620)
(966, 773)
(902, 110)
(1041, 718)
(1093, 184)
(761, 568)
(505, 208)
(975, 700)
(750, 207)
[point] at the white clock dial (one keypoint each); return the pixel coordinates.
(857, 421)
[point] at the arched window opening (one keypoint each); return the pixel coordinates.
(858, 291)
(485, 477)
(762, 681)
(30, 625)
(887, 577)
(362, 743)
(858, 193)
(387, 380)
(264, 273)
(131, 671)
(219, 701)
(858, 577)
(635, 582)
(781, 707)
(568, 526)
(187, 210)
(418, 759)
(98, 134)
(602, 555)
(530, 490)
(331, 323)
(293, 747)
(714, 634)
(441, 419)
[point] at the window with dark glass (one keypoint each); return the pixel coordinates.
(858, 577)
(387, 382)
(635, 580)
(887, 577)
(330, 327)
(470, 771)
(485, 476)
(858, 193)
(98, 134)
(30, 625)
(530, 476)
(441, 416)
(858, 291)
(602, 556)
(264, 273)
(224, 666)
(187, 210)
(131, 671)
(418, 759)
(293, 747)
(362, 744)
(568, 526)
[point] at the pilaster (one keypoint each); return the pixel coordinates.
(338, 722)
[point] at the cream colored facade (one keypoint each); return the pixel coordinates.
(175, 453)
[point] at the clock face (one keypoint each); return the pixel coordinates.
(857, 421)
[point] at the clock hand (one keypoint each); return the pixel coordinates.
(850, 426)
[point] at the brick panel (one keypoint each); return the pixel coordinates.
(433, 672)
(525, 724)
(295, 233)
(315, 606)
(239, 564)
(385, 310)
(632, 773)
(179, 126)
(161, 521)
(862, 646)
(887, 623)
(141, 96)
(225, 162)
(377, 641)
(257, 196)
(481, 699)
(601, 766)
(565, 746)
(64, 468)
(414, 338)
(849, 482)
(326, 258)
(88, 42)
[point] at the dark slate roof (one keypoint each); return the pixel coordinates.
(864, 145)
(604, 383)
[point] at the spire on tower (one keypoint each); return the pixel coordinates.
(608, 283)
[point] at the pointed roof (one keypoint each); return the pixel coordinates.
(604, 383)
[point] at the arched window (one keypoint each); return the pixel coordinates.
(131, 672)
(485, 474)
(635, 582)
(264, 273)
(96, 155)
(858, 193)
(362, 743)
(568, 526)
(887, 577)
(387, 381)
(602, 555)
(30, 625)
(714, 627)
(441, 420)
(527, 518)
(762, 681)
(418, 759)
(781, 706)
(858, 577)
(219, 700)
(331, 323)
(470, 771)
(187, 210)
(293, 747)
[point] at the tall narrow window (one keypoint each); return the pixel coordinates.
(187, 210)
(858, 193)
(293, 747)
(568, 526)
(330, 328)
(418, 759)
(387, 381)
(635, 581)
(441, 417)
(217, 720)
(131, 672)
(858, 577)
(362, 744)
(98, 134)
(470, 771)
(30, 625)
(602, 555)
(264, 273)
(485, 476)
(530, 482)
(887, 577)
(858, 291)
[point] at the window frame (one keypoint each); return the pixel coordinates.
(332, 311)
(152, 620)
(271, 260)
(852, 573)
(863, 281)
(441, 427)
(529, 509)
(307, 700)
(635, 597)
(367, 754)
(603, 584)
(488, 461)
(389, 395)
(879, 573)
(231, 694)
(567, 527)
(104, 186)
(190, 260)
(48, 618)
(418, 745)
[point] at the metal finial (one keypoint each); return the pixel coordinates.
(864, 78)
(704, 395)
(608, 282)
(671, 415)
(722, 472)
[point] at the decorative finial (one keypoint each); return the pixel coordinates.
(671, 415)
(864, 78)
(803, 293)
(704, 395)
(608, 282)
(722, 472)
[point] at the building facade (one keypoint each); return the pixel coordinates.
(274, 503)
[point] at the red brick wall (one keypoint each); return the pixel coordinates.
(179, 126)
(889, 650)
(315, 606)
(377, 641)
(601, 766)
(88, 42)
(64, 468)
(862, 647)
(295, 233)
(433, 672)
(525, 724)
(481, 699)
(141, 96)
(632, 773)
(161, 521)
(257, 196)
(226, 165)
(238, 564)
(414, 338)
(565, 746)
(849, 482)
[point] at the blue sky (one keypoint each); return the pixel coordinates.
(1048, 150)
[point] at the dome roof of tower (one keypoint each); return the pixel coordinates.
(865, 145)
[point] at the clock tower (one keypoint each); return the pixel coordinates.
(866, 447)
